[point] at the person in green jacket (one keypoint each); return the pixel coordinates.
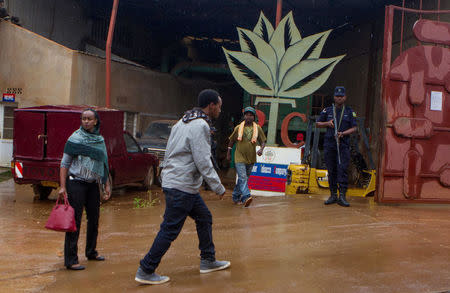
(246, 135)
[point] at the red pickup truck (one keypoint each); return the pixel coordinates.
(40, 134)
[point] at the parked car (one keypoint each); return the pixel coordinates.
(40, 134)
(154, 139)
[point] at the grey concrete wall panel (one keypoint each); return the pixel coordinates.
(62, 21)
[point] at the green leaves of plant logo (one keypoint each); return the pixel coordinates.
(279, 62)
(250, 72)
(264, 28)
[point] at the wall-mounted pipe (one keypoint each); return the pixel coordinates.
(112, 23)
(279, 7)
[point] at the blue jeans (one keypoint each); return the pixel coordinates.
(241, 191)
(179, 205)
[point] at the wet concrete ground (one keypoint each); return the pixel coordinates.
(278, 244)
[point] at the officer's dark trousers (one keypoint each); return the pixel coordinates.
(82, 194)
(179, 205)
(337, 173)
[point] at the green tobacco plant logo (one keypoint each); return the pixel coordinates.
(277, 63)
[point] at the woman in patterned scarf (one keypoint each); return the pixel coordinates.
(84, 165)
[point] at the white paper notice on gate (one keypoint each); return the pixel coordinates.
(436, 101)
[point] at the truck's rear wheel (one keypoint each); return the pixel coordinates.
(42, 192)
(150, 178)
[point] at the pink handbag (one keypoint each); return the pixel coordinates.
(62, 217)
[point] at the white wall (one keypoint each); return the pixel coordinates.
(6, 149)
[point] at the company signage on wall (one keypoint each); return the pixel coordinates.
(9, 97)
(277, 65)
(268, 176)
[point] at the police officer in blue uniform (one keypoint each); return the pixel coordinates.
(337, 161)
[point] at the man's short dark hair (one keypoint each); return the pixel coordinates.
(207, 97)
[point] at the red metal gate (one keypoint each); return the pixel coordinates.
(414, 162)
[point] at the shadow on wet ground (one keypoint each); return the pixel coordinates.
(278, 244)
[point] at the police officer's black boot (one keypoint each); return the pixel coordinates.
(342, 200)
(333, 197)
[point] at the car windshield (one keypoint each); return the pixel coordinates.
(158, 130)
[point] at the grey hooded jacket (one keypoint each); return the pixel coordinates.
(188, 158)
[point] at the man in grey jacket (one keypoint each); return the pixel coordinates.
(187, 162)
